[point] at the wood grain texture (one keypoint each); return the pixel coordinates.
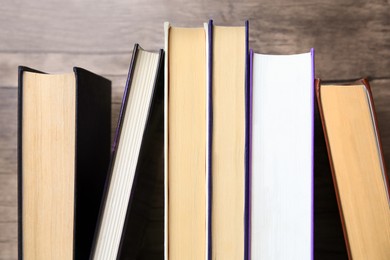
(351, 38)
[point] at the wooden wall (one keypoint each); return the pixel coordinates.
(351, 39)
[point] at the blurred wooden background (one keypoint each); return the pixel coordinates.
(351, 40)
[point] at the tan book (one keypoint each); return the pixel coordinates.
(185, 143)
(359, 173)
(63, 157)
(228, 133)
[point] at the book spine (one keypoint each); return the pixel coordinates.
(209, 138)
(166, 47)
(249, 187)
(20, 153)
(313, 139)
(247, 141)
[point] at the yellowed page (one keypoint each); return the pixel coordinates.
(357, 166)
(228, 142)
(187, 143)
(48, 134)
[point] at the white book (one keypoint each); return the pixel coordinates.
(281, 210)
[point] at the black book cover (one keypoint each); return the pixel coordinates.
(328, 232)
(143, 231)
(93, 128)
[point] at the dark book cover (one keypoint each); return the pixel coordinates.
(328, 233)
(143, 231)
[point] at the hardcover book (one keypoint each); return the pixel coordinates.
(131, 220)
(63, 156)
(282, 150)
(227, 141)
(185, 143)
(359, 174)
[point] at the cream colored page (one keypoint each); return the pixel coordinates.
(48, 141)
(358, 172)
(129, 146)
(228, 142)
(187, 143)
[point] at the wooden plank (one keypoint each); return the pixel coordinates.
(115, 107)
(351, 40)
(8, 240)
(8, 190)
(8, 214)
(8, 159)
(8, 114)
(8, 250)
(25, 26)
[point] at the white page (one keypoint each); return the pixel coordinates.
(282, 157)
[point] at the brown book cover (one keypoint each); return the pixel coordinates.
(346, 188)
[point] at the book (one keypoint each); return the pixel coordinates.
(131, 214)
(282, 148)
(63, 155)
(227, 141)
(185, 143)
(359, 174)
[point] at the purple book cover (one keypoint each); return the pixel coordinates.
(249, 188)
(247, 141)
(312, 121)
(210, 136)
(124, 100)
